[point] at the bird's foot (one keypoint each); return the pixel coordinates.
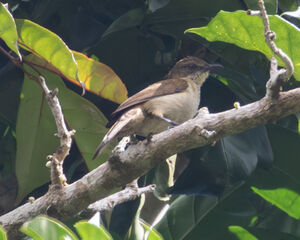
(134, 139)
(149, 137)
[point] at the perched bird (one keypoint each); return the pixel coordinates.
(163, 104)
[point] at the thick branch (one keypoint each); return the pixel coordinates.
(125, 166)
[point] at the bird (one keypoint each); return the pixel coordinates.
(161, 105)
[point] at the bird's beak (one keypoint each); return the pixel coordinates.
(213, 67)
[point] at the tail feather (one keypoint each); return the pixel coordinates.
(111, 134)
(117, 130)
(100, 149)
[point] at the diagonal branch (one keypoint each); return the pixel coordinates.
(125, 166)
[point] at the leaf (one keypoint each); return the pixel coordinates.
(46, 228)
(151, 234)
(97, 77)
(8, 30)
(136, 230)
(241, 233)
(48, 46)
(2, 234)
(285, 199)
(248, 32)
(100, 79)
(88, 231)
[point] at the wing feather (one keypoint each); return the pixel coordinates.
(161, 88)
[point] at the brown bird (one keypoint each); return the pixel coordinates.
(163, 104)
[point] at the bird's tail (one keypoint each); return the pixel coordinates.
(107, 139)
(100, 149)
(111, 134)
(120, 128)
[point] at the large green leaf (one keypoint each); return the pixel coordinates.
(248, 32)
(89, 231)
(285, 199)
(47, 45)
(46, 228)
(8, 30)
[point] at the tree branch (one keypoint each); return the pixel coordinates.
(108, 203)
(277, 76)
(125, 166)
(58, 178)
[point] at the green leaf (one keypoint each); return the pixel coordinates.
(97, 77)
(46, 228)
(151, 234)
(100, 79)
(248, 32)
(2, 234)
(241, 233)
(285, 199)
(48, 46)
(88, 231)
(8, 30)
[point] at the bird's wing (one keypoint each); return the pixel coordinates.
(161, 88)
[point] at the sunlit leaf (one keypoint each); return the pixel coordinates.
(97, 77)
(151, 234)
(248, 32)
(2, 234)
(241, 233)
(8, 30)
(285, 199)
(46, 228)
(47, 45)
(88, 231)
(100, 79)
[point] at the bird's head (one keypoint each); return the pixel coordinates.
(193, 68)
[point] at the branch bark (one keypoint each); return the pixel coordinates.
(125, 166)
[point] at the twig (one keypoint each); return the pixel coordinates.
(113, 200)
(277, 77)
(58, 179)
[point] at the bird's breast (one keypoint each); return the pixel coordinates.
(178, 107)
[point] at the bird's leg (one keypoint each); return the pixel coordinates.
(133, 139)
(149, 137)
